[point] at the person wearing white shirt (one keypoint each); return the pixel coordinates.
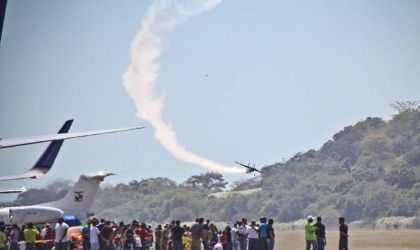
(252, 232)
(61, 241)
(94, 235)
(241, 232)
(216, 246)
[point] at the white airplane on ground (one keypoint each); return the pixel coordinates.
(7, 143)
(77, 202)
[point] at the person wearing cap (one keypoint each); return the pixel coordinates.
(310, 234)
(186, 240)
(94, 234)
(47, 237)
(44, 230)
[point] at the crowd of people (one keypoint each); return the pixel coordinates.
(107, 235)
(201, 235)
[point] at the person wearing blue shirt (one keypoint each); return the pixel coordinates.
(262, 239)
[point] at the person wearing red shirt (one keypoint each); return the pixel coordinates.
(223, 239)
(144, 234)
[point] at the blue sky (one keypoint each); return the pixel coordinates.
(242, 81)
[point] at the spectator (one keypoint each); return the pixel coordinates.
(30, 236)
(320, 234)
(343, 242)
(310, 234)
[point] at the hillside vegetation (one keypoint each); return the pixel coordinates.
(367, 171)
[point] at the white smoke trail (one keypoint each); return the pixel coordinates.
(141, 76)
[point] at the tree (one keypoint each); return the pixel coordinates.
(402, 175)
(246, 184)
(209, 182)
(413, 157)
(155, 185)
(403, 106)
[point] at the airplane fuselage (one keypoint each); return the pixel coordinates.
(24, 214)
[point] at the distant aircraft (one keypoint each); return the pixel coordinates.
(250, 169)
(77, 202)
(7, 143)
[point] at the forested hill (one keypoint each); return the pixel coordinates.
(367, 171)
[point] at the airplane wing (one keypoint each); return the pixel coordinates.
(12, 190)
(248, 167)
(44, 163)
(7, 143)
(262, 172)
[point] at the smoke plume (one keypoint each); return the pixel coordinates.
(141, 76)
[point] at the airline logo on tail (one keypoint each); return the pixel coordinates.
(78, 196)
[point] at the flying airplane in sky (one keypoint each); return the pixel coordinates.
(14, 142)
(250, 169)
(77, 202)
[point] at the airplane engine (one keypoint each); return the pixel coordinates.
(34, 214)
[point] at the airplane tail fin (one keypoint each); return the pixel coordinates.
(78, 201)
(45, 162)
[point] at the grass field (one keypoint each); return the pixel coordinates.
(360, 240)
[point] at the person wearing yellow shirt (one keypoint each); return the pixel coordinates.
(30, 233)
(310, 234)
(3, 238)
(186, 241)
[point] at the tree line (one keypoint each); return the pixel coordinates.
(366, 171)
